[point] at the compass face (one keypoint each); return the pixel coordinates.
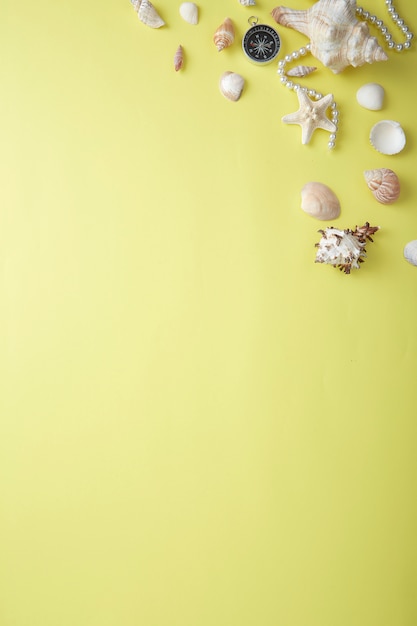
(261, 43)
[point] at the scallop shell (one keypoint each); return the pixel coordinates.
(248, 3)
(179, 58)
(337, 38)
(387, 137)
(319, 201)
(301, 70)
(147, 13)
(224, 35)
(231, 85)
(371, 96)
(189, 12)
(384, 184)
(410, 252)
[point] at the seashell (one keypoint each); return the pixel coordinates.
(248, 3)
(384, 184)
(147, 13)
(231, 85)
(336, 37)
(410, 252)
(319, 201)
(189, 12)
(179, 58)
(301, 70)
(344, 249)
(224, 35)
(371, 96)
(387, 137)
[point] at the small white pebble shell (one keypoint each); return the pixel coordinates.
(371, 96)
(189, 12)
(410, 252)
(387, 137)
(231, 85)
(320, 201)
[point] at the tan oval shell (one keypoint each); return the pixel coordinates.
(224, 35)
(384, 184)
(410, 252)
(179, 58)
(231, 85)
(336, 37)
(301, 70)
(189, 12)
(387, 137)
(147, 13)
(319, 201)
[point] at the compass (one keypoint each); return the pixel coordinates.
(261, 43)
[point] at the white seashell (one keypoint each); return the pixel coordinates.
(147, 13)
(336, 37)
(248, 3)
(319, 201)
(387, 137)
(344, 249)
(231, 85)
(384, 184)
(179, 58)
(301, 70)
(410, 252)
(189, 12)
(371, 96)
(224, 35)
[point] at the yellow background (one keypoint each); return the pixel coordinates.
(199, 425)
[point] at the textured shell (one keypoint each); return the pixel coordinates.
(371, 96)
(387, 137)
(410, 252)
(301, 70)
(224, 35)
(179, 58)
(147, 13)
(320, 201)
(337, 38)
(231, 85)
(247, 3)
(384, 184)
(189, 12)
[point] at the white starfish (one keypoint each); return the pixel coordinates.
(311, 115)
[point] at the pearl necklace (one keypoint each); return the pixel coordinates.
(374, 21)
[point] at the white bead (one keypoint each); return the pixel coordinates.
(284, 80)
(295, 55)
(331, 145)
(391, 45)
(399, 47)
(400, 22)
(287, 58)
(409, 35)
(308, 47)
(332, 136)
(302, 51)
(407, 45)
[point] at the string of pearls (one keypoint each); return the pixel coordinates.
(312, 93)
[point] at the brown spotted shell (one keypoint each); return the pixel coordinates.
(384, 184)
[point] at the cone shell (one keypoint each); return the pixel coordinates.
(320, 201)
(337, 38)
(189, 12)
(410, 252)
(224, 35)
(387, 137)
(301, 70)
(179, 58)
(231, 85)
(384, 184)
(147, 13)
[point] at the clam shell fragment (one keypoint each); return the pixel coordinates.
(319, 201)
(231, 85)
(371, 96)
(147, 13)
(410, 252)
(189, 12)
(387, 137)
(224, 35)
(384, 184)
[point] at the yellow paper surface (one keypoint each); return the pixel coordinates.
(199, 426)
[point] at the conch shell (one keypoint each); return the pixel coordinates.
(179, 58)
(344, 249)
(224, 35)
(337, 38)
(320, 201)
(384, 184)
(147, 13)
(231, 85)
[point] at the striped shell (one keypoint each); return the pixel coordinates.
(147, 13)
(224, 35)
(301, 70)
(179, 58)
(384, 184)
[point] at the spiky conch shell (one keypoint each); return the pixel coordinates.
(344, 249)
(384, 184)
(336, 37)
(224, 35)
(147, 13)
(179, 58)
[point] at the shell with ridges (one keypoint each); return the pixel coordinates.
(179, 58)
(189, 12)
(371, 96)
(301, 70)
(410, 252)
(337, 38)
(248, 3)
(384, 184)
(319, 201)
(224, 35)
(387, 137)
(231, 85)
(147, 13)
